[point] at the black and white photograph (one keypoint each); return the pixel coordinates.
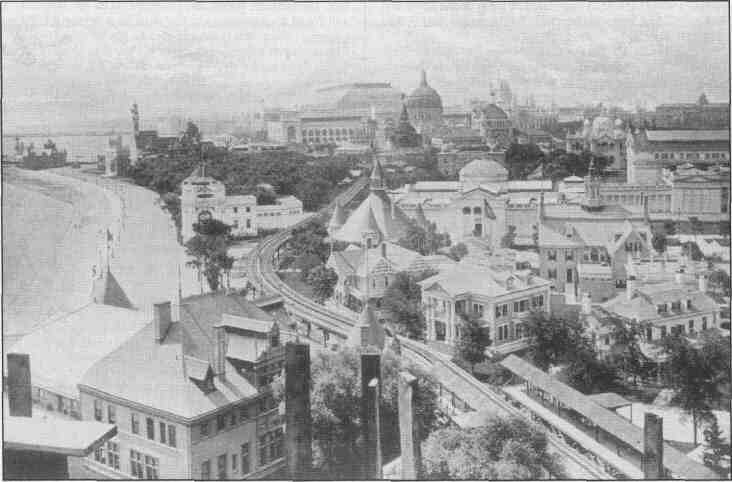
(365, 240)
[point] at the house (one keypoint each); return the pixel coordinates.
(190, 394)
(501, 298)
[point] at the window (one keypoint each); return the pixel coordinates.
(98, 410)
(150, 428)
(552, 274)
(236, 209)
(204, 429)
(676, 306)
(568, 254)
(270, 446)
(662, 308)
(245, 459)
(99, 455)
(232, 419)
(551, 254)
(663, 332)
(466, 210)
(151, 468)
(206, 470)
(221, 466)
(136, 464)
(220, 422)
(113, 455)
(234, 458)
(476, 210)
(537, 301)
(111, 414)
(704, 322)
(688, 304)
(519, 330)
(691, 326)
(243, 414)
(569, 276)
(163, 433)
(249, 209)
(502, 332)
(171, 435)
(478, 309)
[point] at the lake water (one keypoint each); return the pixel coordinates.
(79, 148)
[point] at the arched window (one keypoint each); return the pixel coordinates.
(594, 255)
(324, 132)
(477, 210)
(466, 210)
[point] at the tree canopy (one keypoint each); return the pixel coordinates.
(458, 251)
(522, 160)
(503, 449)
(208, 247)
(322, 279)
(424, 241)
(402, 301)
(560, 164)
(472, 340)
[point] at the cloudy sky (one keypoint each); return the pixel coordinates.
(68, 65)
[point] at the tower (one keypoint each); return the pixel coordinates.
(591, 200)
(377, 177)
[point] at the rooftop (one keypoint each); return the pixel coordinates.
(687, 135)
(464, 278)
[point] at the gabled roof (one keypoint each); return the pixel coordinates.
(465, 278)
(643, 305)
(375, 213)
(368, 331)
(63, 350)
(354, 261)
(107, 291)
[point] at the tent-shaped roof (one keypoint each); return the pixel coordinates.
(375, 213)
(368, 331)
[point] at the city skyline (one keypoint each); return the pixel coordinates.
(230, 59)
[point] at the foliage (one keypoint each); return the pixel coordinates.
(335, 404)
(692, 250)
(669, 227)
(560, 164)
(522, 160)
(402, 301)
(505, 448)
(658, 241)
(492, 372)
(552, 338)
(535, 234)
(208, 247)
(586, 373)
(425, 242)
(265, 196)
(719, 282)
(509, 238)
(717, 448)
(473, 339)
(625, 354)
(458, 251)
(322, 279)
(309, 239)
(700, 376)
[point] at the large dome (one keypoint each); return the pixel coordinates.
(424, 96)
(483, 171)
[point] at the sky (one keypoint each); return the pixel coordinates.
(66, 65)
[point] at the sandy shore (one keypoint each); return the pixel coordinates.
(55, 223)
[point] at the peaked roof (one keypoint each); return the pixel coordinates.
(107, 291)
(377, 175)
(338, 218)
(375, 213)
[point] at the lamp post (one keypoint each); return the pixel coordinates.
(374, 384)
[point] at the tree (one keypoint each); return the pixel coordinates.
(535, 234)
(209, 250)
(322, 279)
(523, 159)
(472, 341)
(719, 282)
(310, 240)
(717, 448)
(658, 241)
(424, 241)
(509, 238)
(669, 228)
(625, 353)
(335, 400)
(700, 376)
(552, 338)
(403, 302)
(265, 196)
(313, 193)
(586, 373)
(505, 448)
(458, 251)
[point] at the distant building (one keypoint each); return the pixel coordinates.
(116, 158)
(699, 115)
(603, 137)
(189, 394)
(451, 161)
(424, 105)
(500, 298)
(650, 151)
(202, 196)
(48, 158)
(494, 124)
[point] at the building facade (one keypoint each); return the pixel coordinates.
(424, 105)
(603, 137)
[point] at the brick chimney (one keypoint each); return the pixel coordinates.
(298, 436)
(629, 287)
(161, 320)
(409, 429)
(652, 459)
(218, 362)
(20, 402)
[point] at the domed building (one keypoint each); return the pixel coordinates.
(495, 126)
(424, 105)
(482, 172)
(405, 135)
(602, 137)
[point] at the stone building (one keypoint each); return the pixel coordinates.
(603, 137)
(699, 115)
(424, 105)
(494, 124)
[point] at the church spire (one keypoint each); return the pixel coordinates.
(377, 176)
(423, 79)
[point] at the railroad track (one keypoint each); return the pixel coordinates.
(262, 271)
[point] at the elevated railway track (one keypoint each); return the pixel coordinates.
(455, 380)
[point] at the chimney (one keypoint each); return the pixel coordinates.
(370, 369)
(702, 282)
(409, 430)
(652, 459)
(383, 249)
(298, 436)
(630, 287)
(161, 320)
(20, 402)
(586, 304)
(218, 363)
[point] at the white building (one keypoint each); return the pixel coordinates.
(204, 196)
(502, 298)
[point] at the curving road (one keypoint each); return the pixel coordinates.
(476, 394)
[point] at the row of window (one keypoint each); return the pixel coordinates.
(520, 306)
(166, 432)
(476, 210)
(221, 465)
(690, 155)
(663, 308)
(143, 466)
(551, 273)
(681, 329)
(236, 416)
(337, 133)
